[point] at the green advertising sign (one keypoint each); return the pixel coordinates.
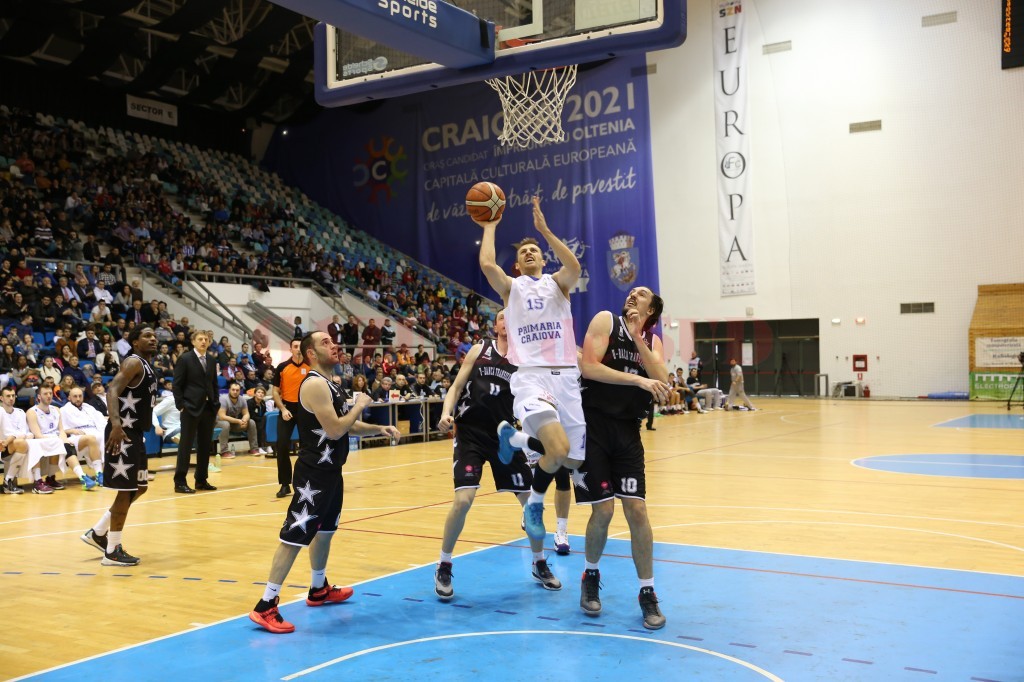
(991, 385)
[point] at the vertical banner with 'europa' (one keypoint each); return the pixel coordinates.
(732, 145)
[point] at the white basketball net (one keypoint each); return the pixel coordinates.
(532, 103)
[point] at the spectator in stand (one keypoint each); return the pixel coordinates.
(122, 346)
(334, 330)
(46, 314)
(151, 314)
(122, 301)
(422, 356)
(371, 338)
(387, 335)
(108, 363)
(98, 397)
(75, 373)
(89, 347)
(162, 364)
(49, 370)
(345, 370)
(101, 314)
(167, 420)
(28, 349)
(463, 348)
(136, 314)
(101, 293)
(350, 334)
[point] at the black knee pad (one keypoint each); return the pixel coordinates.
(562, 479)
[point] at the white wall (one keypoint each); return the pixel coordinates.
(851, 225)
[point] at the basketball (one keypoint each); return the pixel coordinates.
(485, 201)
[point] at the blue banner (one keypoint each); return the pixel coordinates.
(400, 169)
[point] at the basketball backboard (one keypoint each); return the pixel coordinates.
(531, 34)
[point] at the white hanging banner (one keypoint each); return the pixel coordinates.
(151, 110)
(732, 144)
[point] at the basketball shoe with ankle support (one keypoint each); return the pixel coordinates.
(54, 483)
(653, 618)
(506, 451)
(534, 516)
(562, 543)
(542, 574)
(443, 581)
(269, 618)
(328, 594)
(590, 592)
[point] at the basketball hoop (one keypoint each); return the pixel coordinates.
(532, 103)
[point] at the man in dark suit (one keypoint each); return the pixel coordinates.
(196, 395)
(334, 331)
(89, 347)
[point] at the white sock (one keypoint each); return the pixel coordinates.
(446, 557)
(538, 556)
(519, 440)
(535, 497)
(648, 582)
(318, 579)
(36, 474)
(563, 525)
(271, 591)
(590, 566)
(96, 466)
(79, 471)
(113, 540)
(103, 525)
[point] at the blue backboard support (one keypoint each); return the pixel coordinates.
(350, 69)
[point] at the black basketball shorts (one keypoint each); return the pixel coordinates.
(128, 469)
(614, 466)
(475, 445)
(315, 506)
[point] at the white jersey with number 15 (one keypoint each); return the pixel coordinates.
(539, 324)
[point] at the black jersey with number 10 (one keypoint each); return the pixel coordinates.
(614, 400)
(487, 398)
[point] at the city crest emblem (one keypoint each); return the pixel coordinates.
(623, 260)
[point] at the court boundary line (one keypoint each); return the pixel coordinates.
(177, 496)
(219, 622)
(649, 640)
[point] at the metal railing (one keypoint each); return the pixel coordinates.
(210, 296)
(277, 325)
(227, 318)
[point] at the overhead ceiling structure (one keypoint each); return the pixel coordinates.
(248, 57)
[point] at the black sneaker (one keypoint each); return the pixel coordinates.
(11, 487)
(443, 581)
(590, 588)
(54, 483)
(653, 620)
(119, 557)
(543, 575)
(93, 540)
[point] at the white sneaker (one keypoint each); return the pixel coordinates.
(561, 543)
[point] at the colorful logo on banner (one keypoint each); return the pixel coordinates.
(407, 187)
(623, 261)
(381, 169)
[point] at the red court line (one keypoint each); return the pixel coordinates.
(722, 566)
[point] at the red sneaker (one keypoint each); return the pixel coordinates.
(328, 594)
(271, 619)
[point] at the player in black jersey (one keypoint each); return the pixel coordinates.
(323, 419)
(484, 401)
(130, 410)
(622, 369)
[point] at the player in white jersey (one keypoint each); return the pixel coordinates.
(51, 442)
(82, 419)
(541, 342)
(13, 444)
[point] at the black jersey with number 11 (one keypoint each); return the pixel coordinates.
(487, 398)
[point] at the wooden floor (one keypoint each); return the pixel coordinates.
(776, 480)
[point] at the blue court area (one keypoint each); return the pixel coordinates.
(957, 465)
(986, 421)
(732, 615)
